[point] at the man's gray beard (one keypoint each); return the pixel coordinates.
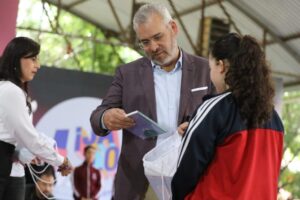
(168, 59)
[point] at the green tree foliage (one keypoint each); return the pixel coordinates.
(69, 42)
(290, 172)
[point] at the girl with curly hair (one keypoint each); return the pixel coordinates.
(233, 146)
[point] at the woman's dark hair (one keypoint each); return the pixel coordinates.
(10, 63)
(248, 76)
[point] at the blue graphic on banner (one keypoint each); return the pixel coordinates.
(72, 131)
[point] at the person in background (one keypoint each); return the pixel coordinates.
(233, 146)
(18, 65)
(44, 186)
(166, 85)
(87, 179)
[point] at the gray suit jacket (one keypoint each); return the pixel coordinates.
(133, 89)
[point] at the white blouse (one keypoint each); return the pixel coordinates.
(16, 127)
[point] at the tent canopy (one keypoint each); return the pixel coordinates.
(275, 23)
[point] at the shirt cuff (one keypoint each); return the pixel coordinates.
(60, 160)
(102, 123)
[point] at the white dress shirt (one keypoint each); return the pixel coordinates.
(16, 127)
(167, 87)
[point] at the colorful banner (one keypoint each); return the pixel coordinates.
(65, 100)
(8, 21)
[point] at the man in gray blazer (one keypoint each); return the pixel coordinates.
(167, 85)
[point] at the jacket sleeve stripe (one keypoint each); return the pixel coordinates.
(203, 110)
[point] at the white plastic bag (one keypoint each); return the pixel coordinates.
(160, 165)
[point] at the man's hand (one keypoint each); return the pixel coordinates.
(182, 128)
(115, 119)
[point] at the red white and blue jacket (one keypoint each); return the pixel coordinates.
(221, 159)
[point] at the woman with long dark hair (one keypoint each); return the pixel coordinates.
(233, 146)
(18, 65)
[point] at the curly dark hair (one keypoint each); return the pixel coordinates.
(248, 76)
(10, 62)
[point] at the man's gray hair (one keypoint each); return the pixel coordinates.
(145, 11)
